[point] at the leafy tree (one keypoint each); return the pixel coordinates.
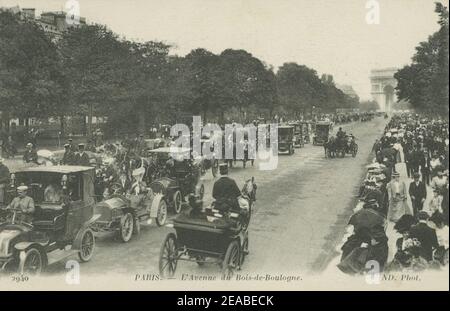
(425, 82)
(29, 69)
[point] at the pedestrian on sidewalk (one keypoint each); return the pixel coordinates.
(397, 193)
(418, 194)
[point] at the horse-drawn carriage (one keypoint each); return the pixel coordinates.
(340, 146)
(286, 139)
(60, 225)
(211, 236)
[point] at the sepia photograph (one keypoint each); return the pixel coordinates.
(221, 145)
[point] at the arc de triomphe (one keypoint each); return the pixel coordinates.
(383, 87)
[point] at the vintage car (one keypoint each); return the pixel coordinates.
(298, 134)
(59, 227)
(124, 215)
(178, 181)
(286, 139)
(208, 162)
(306, 130)
(322, 133)
(209, 236)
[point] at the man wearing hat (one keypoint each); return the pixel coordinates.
(72, 145)
(30, 155)
(225, 189)
(69, 157)
(82, 158)
(4, 180)
(418, 193)
(23, 203)
(425, 235)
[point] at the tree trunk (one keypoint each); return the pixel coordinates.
(90, 116)
(141, 123)
(61, 126)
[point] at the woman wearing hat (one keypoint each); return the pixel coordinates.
(397, 193)
(30, 155)
(23, 203)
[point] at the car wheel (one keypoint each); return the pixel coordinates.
(161, 216)
(137, 226)
(231, 260)
(126, 227)
(177, 201)
(31, 262)
(87, 246)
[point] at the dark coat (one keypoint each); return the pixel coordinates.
(4, 174)
(69, 158)
(418, 192)
(427, 238)
(30, 156)
(225, 190)
(82, 159)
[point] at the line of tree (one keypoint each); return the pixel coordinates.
(425, 82)
(91, 71)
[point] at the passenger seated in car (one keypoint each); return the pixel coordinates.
(140, 195)
(52, 194)
(24, 204)
(225, 191)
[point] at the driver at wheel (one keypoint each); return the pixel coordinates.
(340, 134)
(225, 191)
(24, 204)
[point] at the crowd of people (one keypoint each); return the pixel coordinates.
(402, 219)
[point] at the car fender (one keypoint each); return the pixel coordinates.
(23, 246)
(155, 205)
(76, 245)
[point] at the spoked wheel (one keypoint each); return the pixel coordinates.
(355, 151)
(126, 227)
(215, 167)
(201, 191)
(31, 262)
(232, 259)
(161, 216)
(87, 246)
(137, 226)
(177, 201)
(168, 257)
(244, 251)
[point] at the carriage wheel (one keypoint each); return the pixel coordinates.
(177, 201)
(161, 216)
(168, 256)
(355, 151)
(231, 260)
(215, 167)
(87, 246)
(244, 251)
(31, 262)
(137, 226)
(126, 227)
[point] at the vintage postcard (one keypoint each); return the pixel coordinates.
(207, 145)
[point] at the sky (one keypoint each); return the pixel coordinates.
(330, 36)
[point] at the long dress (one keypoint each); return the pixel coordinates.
(397, 200)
